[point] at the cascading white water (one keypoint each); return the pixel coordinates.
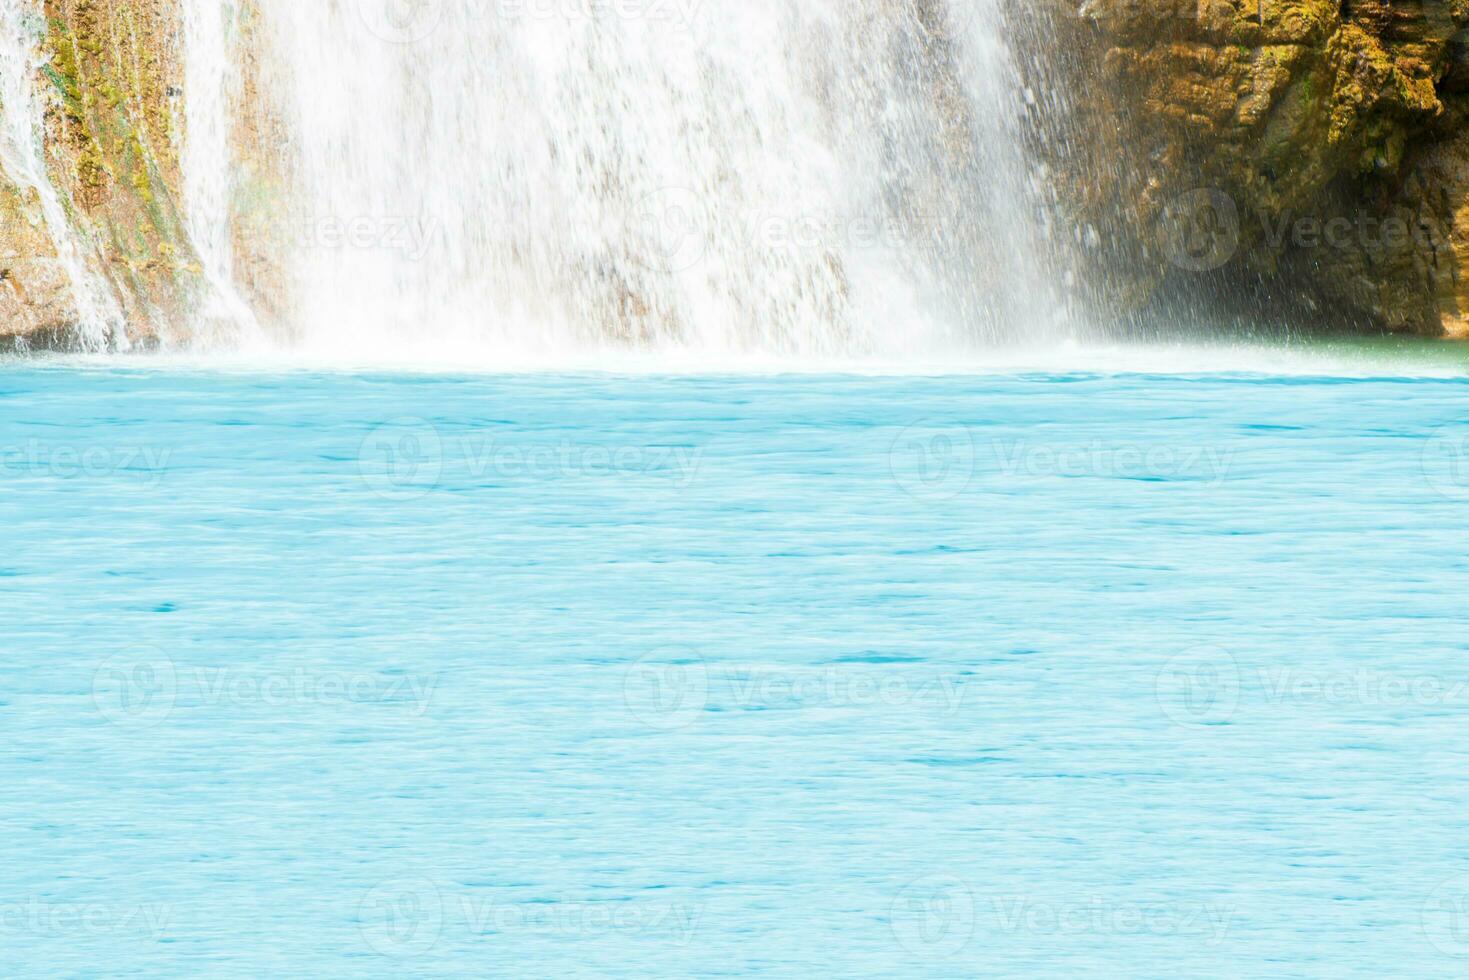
(834, 177)
(23, 159)
(210, 81)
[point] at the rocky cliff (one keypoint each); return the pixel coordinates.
(107, 90)
(1305, 152)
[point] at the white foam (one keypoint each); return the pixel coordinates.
(1386, 358)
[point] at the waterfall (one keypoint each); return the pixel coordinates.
(210, 59)
(807, 177)
(23, 160)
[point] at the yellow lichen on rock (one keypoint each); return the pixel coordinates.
(108, 85)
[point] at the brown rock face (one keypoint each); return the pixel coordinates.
(1310, 149)
(34, 298)
(1439, 188)
(111, 92)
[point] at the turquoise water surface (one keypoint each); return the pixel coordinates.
(332, 674)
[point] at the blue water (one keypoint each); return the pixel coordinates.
(375, 675)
